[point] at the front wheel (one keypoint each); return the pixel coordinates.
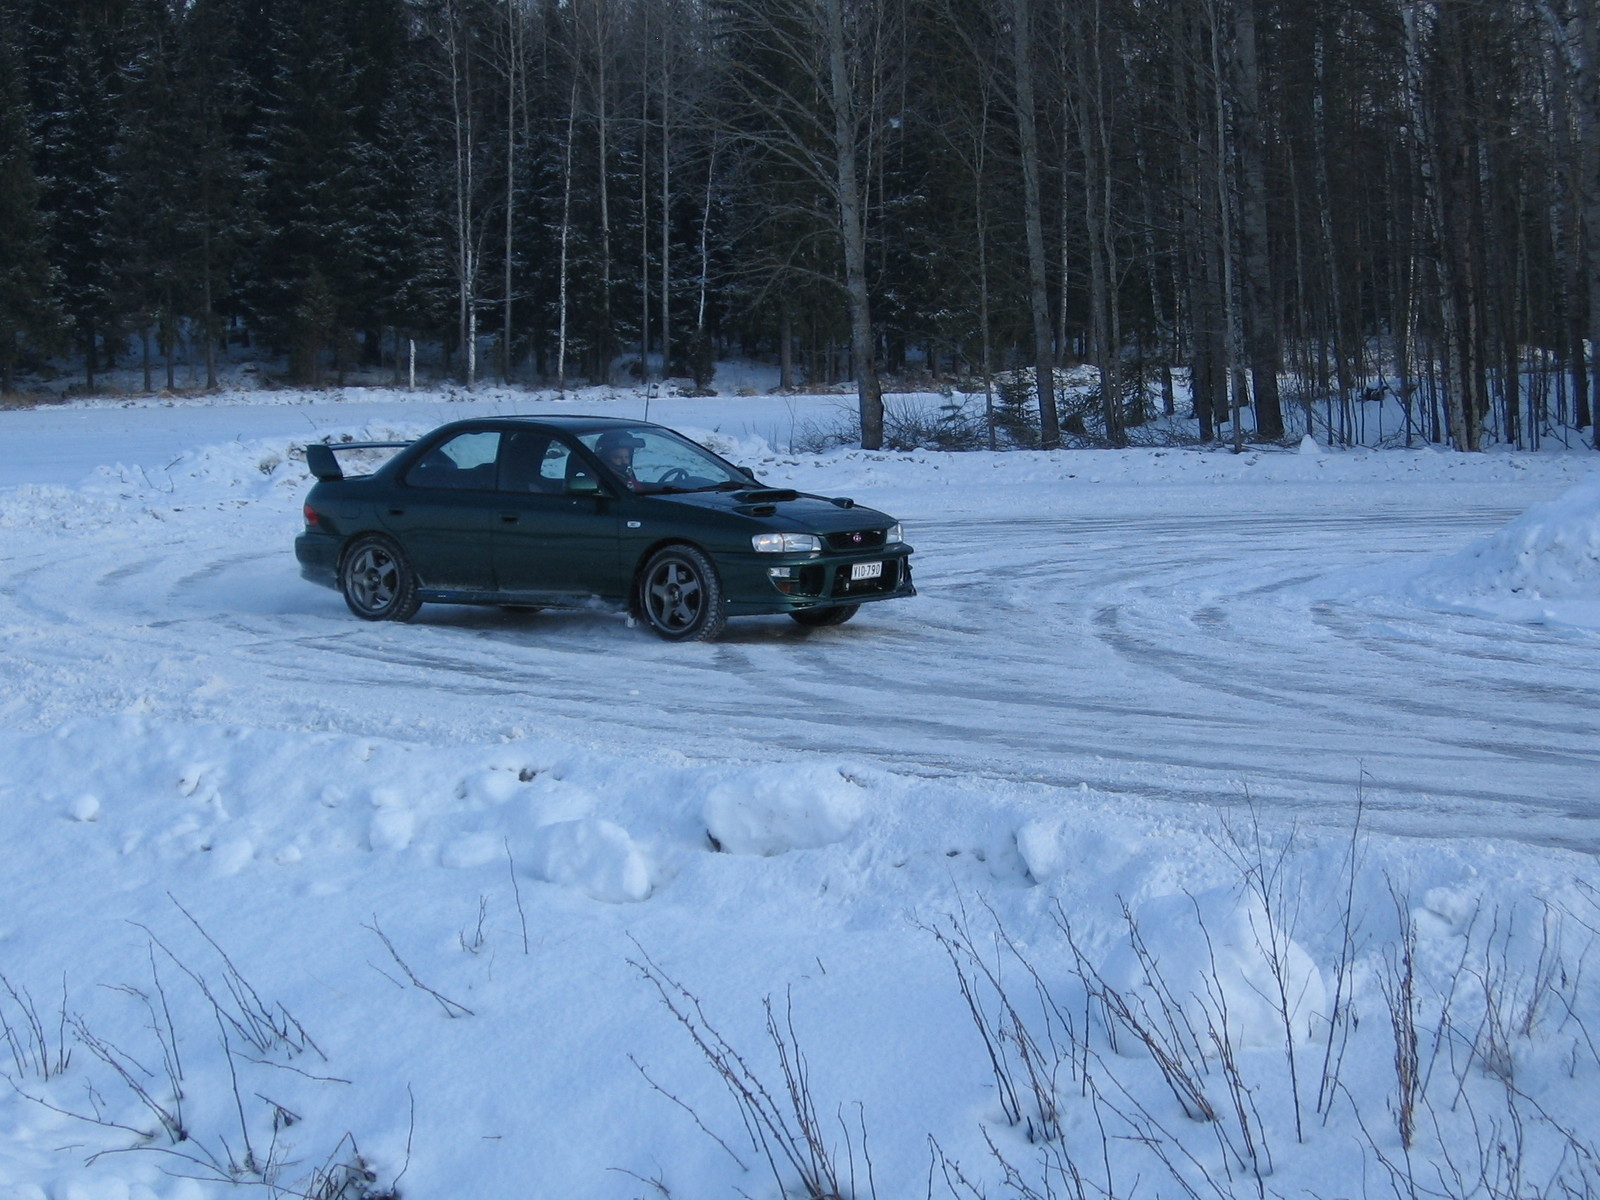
(817, 618)
(377, 581)
(680, 596)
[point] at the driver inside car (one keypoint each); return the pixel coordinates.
(615, 449)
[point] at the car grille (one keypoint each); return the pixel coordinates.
(864, 539)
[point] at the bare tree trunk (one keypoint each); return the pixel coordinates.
(208, 316)
(566, 241)
(1454, 242)
(1224, 186)
(644, 211)
(169, 324)
(1094, 141)
(1567, 215)
(1064, 266)
(1166, 328)
(514, 68)
(1403, 320)
(668, 33)
(853, 227)
(981, 220)
(1033, 218)
(785, 345)
(1587, 91)
(1261, 325)
(459, 53)
(1455, 382)
(705, 240)
(602, 374)
(1332, 301)
(1199, 221)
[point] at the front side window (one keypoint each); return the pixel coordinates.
(656, 460)
(464, 461)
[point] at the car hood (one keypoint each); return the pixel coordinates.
(783, 508)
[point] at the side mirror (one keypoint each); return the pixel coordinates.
(583, 485)
(747, 472)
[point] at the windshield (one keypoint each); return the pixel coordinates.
(650, 459)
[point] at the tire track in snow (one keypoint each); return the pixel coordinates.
(1166, 657)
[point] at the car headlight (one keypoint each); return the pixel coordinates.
(895, 534)
(786, 543)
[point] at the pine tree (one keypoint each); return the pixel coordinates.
(75, 81)
(315, 265)
(151, 280)
(215, 218)
(411, 268)
(29, 318)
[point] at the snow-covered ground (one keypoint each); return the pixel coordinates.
(1109, 865)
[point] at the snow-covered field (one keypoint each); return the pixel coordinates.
(1210, 825)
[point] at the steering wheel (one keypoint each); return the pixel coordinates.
(673, 475)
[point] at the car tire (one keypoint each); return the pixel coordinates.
(680, 596)
(377, 581)
(818, 618)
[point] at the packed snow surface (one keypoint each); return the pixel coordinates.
(1209, 825)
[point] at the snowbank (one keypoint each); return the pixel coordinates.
(1543, 565)
(293, 902)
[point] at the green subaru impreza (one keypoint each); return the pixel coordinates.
(532, 512)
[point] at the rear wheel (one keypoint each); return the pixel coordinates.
(816, 618)
(377, 581)
(680, 596)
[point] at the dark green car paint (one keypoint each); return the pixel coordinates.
(497, 531)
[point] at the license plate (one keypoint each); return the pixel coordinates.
(872, 570)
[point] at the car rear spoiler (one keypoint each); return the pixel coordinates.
(320, 457)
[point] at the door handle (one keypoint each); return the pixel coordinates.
(397, 512)
(509, 518)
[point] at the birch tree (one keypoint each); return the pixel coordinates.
(1044, 359)
(814, 114)
(458, 35)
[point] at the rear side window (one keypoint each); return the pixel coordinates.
(464, 461)
(534, 462)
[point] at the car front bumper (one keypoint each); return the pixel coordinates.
(768, 583)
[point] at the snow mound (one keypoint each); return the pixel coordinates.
(770, 811)
(1550, 552)
(33, 506)
(1543, 568)
(592, 856)
(1213, 954)
(1057, 849)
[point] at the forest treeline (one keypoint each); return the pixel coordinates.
(1299, 204)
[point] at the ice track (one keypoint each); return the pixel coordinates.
(1173, 657)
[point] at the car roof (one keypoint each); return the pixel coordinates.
(564, 422)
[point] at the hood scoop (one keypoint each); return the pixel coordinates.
(763, 502)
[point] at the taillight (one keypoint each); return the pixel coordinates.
(312, 520)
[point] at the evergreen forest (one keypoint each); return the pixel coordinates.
(1283, 206)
